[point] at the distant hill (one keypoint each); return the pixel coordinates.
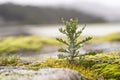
(42, 15)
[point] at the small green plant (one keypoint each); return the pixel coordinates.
(73, 45)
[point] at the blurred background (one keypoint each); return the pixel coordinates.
(43, 17)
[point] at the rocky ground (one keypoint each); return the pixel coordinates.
(52, 51)
(21, 73)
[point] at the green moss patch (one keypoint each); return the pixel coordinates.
(113, 37)
(107, 65)
(14, 44)
(9, 60)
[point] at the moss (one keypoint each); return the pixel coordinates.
(112, 37)
(106, 65)
(116, 61)
(62, 63)
(87, 63)
(98, 67)
(9, 60)
(93, 67)
(112, 71)
(89, 67)
(32, 43)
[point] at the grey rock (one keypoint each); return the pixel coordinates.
(18, 73)
(57, 74)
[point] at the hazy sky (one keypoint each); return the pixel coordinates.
(107, 3)
(108, 9)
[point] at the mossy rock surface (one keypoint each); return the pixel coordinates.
(106, 65)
